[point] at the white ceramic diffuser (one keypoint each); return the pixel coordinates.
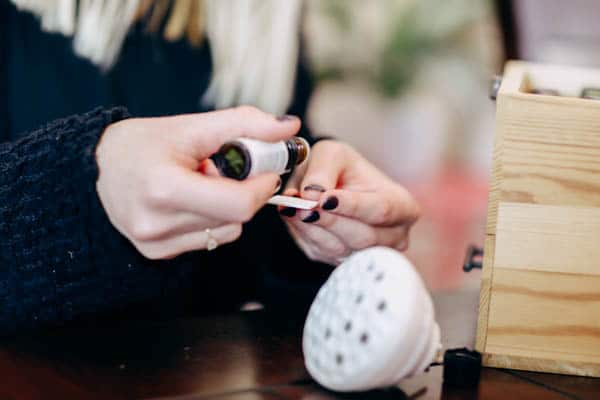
(371, 324)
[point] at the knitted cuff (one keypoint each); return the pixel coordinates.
(47, 197)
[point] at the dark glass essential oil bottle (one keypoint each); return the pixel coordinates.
(242, 158)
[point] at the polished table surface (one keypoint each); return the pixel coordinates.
(240, 356)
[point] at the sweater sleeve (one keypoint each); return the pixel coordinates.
(59, 255)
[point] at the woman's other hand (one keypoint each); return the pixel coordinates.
(359, 206)
(153, 184)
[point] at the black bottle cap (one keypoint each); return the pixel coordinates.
(462, 367)
(231, 168)
(219, 161)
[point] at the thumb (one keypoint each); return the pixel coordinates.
(325, 169)
(223, 198)
(206, 132)
(264, 186)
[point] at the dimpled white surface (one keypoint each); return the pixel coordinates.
(371, 324)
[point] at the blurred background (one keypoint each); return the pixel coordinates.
(407, 83)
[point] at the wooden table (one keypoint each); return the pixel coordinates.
(243, 356)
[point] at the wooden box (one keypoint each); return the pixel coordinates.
(540, 292)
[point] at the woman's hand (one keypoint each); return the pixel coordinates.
(152, 184)
(359, 206)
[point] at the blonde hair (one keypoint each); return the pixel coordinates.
(254, 43)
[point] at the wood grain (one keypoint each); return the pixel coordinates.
(496, 175)
(551, 153)
(545, 315)
(540, 296)
(547, 148)
(548, 238)
(485, 292)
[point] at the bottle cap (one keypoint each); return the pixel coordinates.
(462, 367)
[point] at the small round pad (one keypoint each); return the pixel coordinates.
(371, 324)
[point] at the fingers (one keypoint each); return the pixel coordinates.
(357, 235)
(317, 242)
(372, 208)
(197, 240)
(324, 245)
(221, 198)
(206, 132)
(155, 195)
(323, 172)
(353, 233)
(312, 250)
(162, 227)
(208, 168)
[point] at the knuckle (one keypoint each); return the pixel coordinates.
(141, 232)
(233, 234)
(144, 229)
(326, 221)
(328, 145)
(335, 249)
(312, 255)
(153, 252)
(404, 242)
(403, 245)
(159, 193)
(383, 213)
(417, 212)
(366, 239)
(348, 205)
(245, 210)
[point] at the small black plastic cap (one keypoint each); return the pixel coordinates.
(220, 162)
(462, 367)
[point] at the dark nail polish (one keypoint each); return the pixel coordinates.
(312, 217)
(288, 212)
(286, 118)
(331, 203)
(316, 188)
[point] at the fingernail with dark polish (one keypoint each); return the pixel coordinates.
(312, 217)
(286, 118)
(288, 211)
(331, 203)
(316, 188)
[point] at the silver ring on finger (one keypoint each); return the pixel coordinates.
(211, 242)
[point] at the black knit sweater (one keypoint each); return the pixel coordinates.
(60, 258)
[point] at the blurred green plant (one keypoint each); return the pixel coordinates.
(417, 31)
